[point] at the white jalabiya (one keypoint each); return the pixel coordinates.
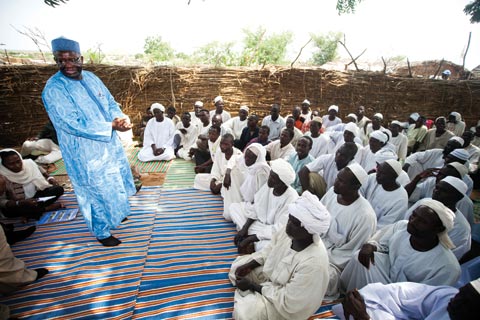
(235, 126)
(397, 261)
(49, 149)
(326, 167)
(160, 134)
(350, 227)
(421, 161)
(389, 206)
(326, 122)
(461, 234)
(404, 300)
(337, 140)
(401, 143)
(320, 145)
(246, 181)
(277, 152)
(225, 115)
(425, 190)
(293, 282)
(369, 160)
(219, 167)
(275, 126)
(188, 139)
(270, 213)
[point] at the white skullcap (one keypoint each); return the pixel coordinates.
(353, 116)
(198, 103)
(246, 108)
(398, 123)
(383, 155)
(284, 170)
(456, 183)
(476, 284)
(313, 215)
(461, 168)
(306, 102)
(158, 106)
(333, 107)
(446, 216)
(352, 127)
(378, 115)
(317, 119)
(414, 116)
(358, 172)
(379, 135)
(458, 139)
(461, 154)
(217, 98)
(457, 115)
(395, 165)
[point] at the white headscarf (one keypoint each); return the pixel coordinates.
(313, 215)
(380, 136)
(30, 173)
(352, 127)
(284, 170)
(158, 106)
(446, 216)
(249, 186)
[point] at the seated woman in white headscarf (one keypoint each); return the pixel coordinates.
(289, 277)
(257, 221)
(417, 250)
(247, 176)
(30, 192)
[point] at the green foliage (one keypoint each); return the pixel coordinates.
(260, 49)
(347, 6)
(326, 47)
(94, 56)
(217, 54)
(473, 9)
(158, 50)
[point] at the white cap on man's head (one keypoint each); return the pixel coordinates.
(378, 115)
(246, 108)
(306, 102)
(333, 107)
(198, 104)
(217, 99)
(456, 183)
(414, 116)
(353, 116)
(358, 172)
(158, 106)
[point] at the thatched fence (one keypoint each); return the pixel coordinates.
(22, 113)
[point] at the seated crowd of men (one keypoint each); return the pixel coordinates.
(322, 206)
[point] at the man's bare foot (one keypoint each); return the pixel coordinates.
(55, 206)
(110, 241)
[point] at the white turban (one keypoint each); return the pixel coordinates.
(352, 127)
(459, 153)
(458, 116)
(358, 172)
(333, 107)
(158, 106)
(446, 216)
(456, 183)
(457, 139)
(284, 170)
(383, 155)
(380, 136)
(317, 119)
(306, 102)
(313, 215)
(353, 116)
(378, 115)
(398, 123)
(217, 98)
(199, 103)
(395, 165)
(461, 168)
(245, 108)
(414, 116)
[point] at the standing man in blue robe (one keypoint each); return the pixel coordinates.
(86, 118)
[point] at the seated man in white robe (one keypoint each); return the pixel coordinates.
(281, 148)
(377, 147)
(289, 277)
(204, 150)
(409, 300)
(387, 197)
(319, 175)
(219, 109)
(434, 158)
(247, 176)
(195, 114)
(43, 148)
(449, 191)
(158, 137)
(417, 250)
(236, 124)
(185, 137)
(223, 160)
(399, 140)
(257, 222)
(320, 141)
(349, 134)
(331, 118)
(353, 221)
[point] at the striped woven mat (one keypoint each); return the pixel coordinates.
(132, 155)
(180, 175)
(172, 264)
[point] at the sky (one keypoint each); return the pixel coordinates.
(417, 29)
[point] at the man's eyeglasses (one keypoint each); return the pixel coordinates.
(62, 62)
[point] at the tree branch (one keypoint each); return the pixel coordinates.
(300, 52)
